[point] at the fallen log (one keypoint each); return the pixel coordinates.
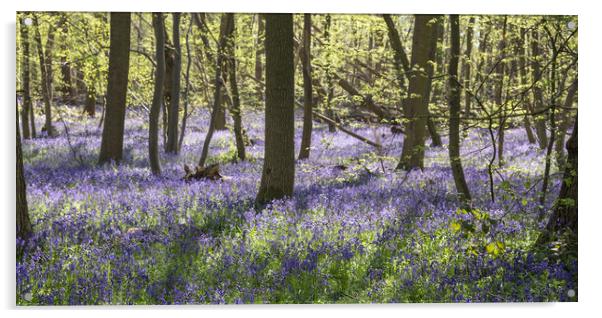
(366, 100)
(210, 172)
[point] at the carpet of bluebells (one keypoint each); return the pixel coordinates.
(356, 230)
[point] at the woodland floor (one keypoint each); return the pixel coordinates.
(355, 231)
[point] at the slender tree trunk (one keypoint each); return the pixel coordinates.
(307, 89)
(236, 111)
(24, 228)
(153, 127)
(468, 64)
(258, 53)
(412, 155)
(329, 84)
(522, 64)
(278, 174)
(454, 114)
(119, 64)
(226, 24)
(540, 121)
(90, 106)
(400, 58)
(174, 107)
(27, 107)
(430, 69)
(187, 88)
(500, 71)
(46, 74)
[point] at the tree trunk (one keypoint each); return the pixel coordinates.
(46, 74)
(430, 69)
(236, 111)
(153, 127)
(119, 64)
(307, 89)
(401, 62)
(564, 123)
(258, 59)
(540, 121)
(24, 228)
(26, 87)
(187, 87)
(329, 84)
(174, 105)
(90, 106)
(468, 65)
(500, 70)
(416, 110)
(278, 174)
(227, 23)
(454, 114)
(564, 216)
(522, 64)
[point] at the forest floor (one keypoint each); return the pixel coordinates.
(355, 231)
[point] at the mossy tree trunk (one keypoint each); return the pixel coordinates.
(153, 128)
(307, 89)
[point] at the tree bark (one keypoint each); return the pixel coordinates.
(187, 87)
(277, 180)
(227, 23)
(500, 70)
(153, 127)
(540, 121)
(430, 69)
(522, 62)
(236, 111)
(329, 81)
(24, 228)
(119, 64)
(258, 54)
(416, 110)
(174, 105)
(454, 114)
(44, 54)
(468, 65)
(564, 123)
(307, 89)
(25, 80)
(564, 217)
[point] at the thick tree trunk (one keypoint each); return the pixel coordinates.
(153, 127)
(540, 120)
(307, 89)
(415, 108)
(26, 87)
(564, 216)
(278, 174)
(111, 147)
(454, 114)
(226, 24)
(24, 228)
(236, 111)
(174, 105)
